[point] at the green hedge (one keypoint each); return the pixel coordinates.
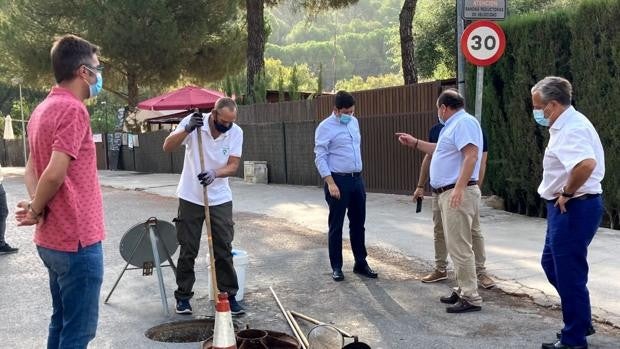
(581, 44)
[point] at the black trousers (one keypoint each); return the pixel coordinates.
(189, 229)
(353, 203)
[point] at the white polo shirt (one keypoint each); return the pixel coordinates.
(460, 130)
(572, 140)
(216, 153)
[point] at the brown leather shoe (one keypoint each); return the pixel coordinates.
(436, 275)
(485, 281)
(463, 306)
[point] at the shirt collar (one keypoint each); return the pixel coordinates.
(61, 91)
(564, 118)
(455, 116)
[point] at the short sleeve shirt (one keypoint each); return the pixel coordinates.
(460, 130)
(433, 136)
(216, 154)
(74, 216)
(572, 140)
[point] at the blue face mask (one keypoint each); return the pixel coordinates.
(539, 116)
(95, 88)
(345, 118)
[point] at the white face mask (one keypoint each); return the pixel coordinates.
(441, 121)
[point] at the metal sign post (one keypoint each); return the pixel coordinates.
(483, 43)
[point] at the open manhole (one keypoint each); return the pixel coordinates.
(188, 331)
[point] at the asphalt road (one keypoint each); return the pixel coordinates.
(394, 311)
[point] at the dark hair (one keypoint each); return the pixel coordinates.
(344, 100)
(68, 53)
(451, 98)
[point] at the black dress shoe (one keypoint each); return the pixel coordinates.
(559, 345)
(590, 331)
(366, 271)
(452, 299)
(463, 306)
(337, 275)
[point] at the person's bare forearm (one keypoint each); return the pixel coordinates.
(579, 175)
(483, 169)
(424, 171)
(174, 141)
(229, 170)
(469, 162)
(30, 179)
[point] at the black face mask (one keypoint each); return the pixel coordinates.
(221, 127)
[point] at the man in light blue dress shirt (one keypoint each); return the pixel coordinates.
(339, 161)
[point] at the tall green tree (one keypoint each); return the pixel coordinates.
(144, 44)
(256, 32)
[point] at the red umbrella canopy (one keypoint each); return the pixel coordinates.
(186, 98)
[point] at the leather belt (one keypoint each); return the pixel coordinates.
(582, 197)
(350, 174)
(451, 186)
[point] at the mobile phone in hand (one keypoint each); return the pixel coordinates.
(418, 207)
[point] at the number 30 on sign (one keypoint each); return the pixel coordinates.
(483, 43)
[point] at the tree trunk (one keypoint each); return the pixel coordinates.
(256, 43)
(132, 91)
(407, 46)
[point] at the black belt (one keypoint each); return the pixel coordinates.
(582, 197)
(451, 186)
(350, 174)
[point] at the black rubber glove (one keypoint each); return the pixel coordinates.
(207, 177)
(194, 122)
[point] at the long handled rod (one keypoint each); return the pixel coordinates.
(303, 345)
(208, 220)
(298, 329)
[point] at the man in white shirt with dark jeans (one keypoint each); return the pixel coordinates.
(222, 142)
(573, 168)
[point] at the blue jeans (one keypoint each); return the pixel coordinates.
(75, 282)
(565, 262)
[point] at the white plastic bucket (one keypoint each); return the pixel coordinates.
(240, 262)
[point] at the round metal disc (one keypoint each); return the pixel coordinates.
(138, 238)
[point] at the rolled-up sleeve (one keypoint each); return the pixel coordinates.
(321, 151)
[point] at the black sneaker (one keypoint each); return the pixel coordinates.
(6, 249)
(183, 307)
(235, 308)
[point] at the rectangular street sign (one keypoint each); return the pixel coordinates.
(484, 9)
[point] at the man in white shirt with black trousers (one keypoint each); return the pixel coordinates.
(222, 146)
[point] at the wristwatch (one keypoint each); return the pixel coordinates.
(565, 194)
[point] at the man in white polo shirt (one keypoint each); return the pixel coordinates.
(222, 142)
(454, 170)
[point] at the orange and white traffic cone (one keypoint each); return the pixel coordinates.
(223, 331)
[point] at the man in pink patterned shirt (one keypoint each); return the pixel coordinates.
(65, 198)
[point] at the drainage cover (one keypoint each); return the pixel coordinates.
(260, 339)
(188, 331)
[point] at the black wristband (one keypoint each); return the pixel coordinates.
(565, 194)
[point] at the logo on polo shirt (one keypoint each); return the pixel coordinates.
(225, 150)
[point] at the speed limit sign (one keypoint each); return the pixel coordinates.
(483, 43)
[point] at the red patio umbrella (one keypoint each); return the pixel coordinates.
(186, 98)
